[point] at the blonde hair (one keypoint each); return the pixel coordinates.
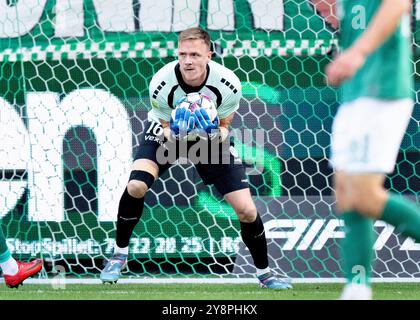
(195, 33)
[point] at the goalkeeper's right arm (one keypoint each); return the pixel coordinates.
(224, 126)
(166, 129)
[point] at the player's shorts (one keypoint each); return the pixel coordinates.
(217, 163)
(367, 134)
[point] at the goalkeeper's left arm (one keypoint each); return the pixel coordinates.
(224, 126)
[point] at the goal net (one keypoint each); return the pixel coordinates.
(74, 102)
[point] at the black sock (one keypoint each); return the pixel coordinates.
(129, 213)
(253, 236)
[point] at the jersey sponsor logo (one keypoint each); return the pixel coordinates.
(155, 104)
(153, 138)
(154, 133)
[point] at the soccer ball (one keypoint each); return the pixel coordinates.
(194, 101)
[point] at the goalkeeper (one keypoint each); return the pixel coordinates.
(15, 272)
(375, 75)
(193, 72)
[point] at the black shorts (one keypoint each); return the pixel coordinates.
(216, 163)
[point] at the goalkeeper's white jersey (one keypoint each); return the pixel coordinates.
(167, 87)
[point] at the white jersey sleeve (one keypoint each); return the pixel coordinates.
(231, 100)
(159, 86)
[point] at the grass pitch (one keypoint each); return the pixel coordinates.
(382, 291)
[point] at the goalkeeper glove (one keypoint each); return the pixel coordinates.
(206, 127)
(182, 124)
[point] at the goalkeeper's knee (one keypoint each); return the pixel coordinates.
(140, 182)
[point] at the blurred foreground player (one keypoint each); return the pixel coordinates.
(15, 272)
(374, 73)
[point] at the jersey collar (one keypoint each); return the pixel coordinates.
(187, 88)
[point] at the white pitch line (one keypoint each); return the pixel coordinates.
(56, 281)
